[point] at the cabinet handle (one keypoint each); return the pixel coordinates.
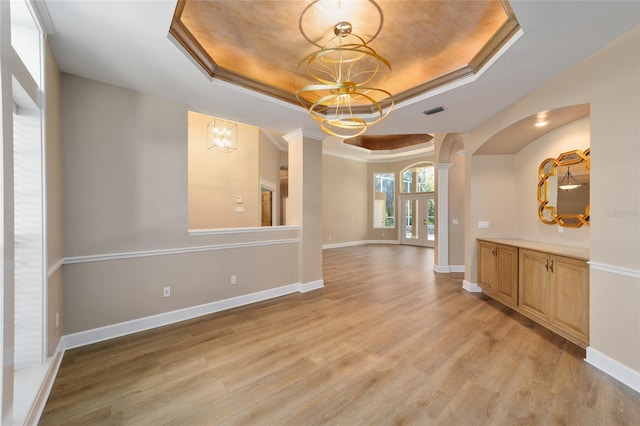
(551, 266)
(546, 264)
(494, 251)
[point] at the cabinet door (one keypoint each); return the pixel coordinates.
(506, 287)
(534, 277)
(486, 266)
(570, 296)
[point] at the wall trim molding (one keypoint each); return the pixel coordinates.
(613, 368)
(248, 230)
(471, 287)
(54, 268)
(37, 408)
(166, 252)
(445, 269)
(628, 272)
(107, 332)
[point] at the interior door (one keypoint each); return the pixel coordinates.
(418, 220)
(267, 219)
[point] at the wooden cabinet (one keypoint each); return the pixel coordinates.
(550, 288)
(498, 271)
(555, 289)
(534, 283)
(569, 289)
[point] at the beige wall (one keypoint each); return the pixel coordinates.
(572, 136)
(217, 178)
(125, 193)
(608, 81)
(344, 207)
(54, 200)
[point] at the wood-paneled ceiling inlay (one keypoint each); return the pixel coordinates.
(258, 44)
(388, 142)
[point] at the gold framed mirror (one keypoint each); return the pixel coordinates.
(563, 189)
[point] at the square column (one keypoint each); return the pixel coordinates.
(442, 203)
(305, 203)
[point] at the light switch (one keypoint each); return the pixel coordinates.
(483, 224)
(454, 221)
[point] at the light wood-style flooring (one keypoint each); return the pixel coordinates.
(387, 341)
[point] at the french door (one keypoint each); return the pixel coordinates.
(418, 224)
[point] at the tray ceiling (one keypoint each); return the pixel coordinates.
(259, 44)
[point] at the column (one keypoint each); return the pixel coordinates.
(305, 203)
(442, 203)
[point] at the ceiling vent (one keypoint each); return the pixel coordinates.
(434, 110)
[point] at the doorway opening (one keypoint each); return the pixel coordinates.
(268, 203)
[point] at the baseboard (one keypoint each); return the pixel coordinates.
(471, 287)
(383, 242)
(100, 334)
(346, 244)
(358, 243)
(310, 286)
(448, 269)
(33, 417)
(613, 368)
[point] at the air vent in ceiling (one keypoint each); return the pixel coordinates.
(434, 110)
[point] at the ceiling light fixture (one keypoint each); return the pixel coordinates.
(343, 75)
(568, 181)
(222, 136)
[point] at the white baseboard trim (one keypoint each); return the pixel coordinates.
(33, 417)
(382, 242)
(446, 269)
(310, 286)
(358, 243)
(346, 244)
(100, 334)
(613, 368)
(471, 287)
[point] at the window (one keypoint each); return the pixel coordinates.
(418, 178)
(384, 206)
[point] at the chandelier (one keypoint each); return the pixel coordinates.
(344, 73)
(222, 136)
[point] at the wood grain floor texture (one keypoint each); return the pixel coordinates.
(385, 342)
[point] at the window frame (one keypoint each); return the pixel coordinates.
(391, 199)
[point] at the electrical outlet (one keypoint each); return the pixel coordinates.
(234, 279)
(166, 292)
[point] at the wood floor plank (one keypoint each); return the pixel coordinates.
(386, 341)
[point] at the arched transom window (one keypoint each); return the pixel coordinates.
(418, 178)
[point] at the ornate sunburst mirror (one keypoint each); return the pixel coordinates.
(563, 189)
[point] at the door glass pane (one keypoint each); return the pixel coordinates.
(431, 219)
